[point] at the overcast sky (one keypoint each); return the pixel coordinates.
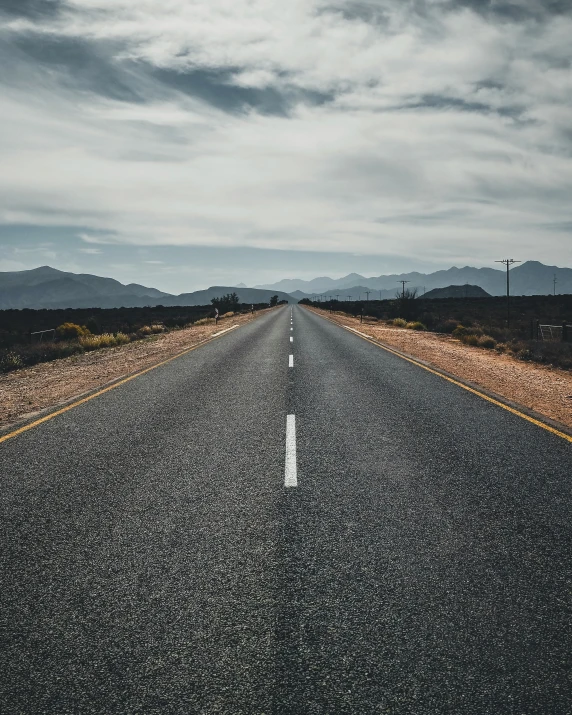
(184, 143)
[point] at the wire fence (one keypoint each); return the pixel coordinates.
(41, 333)
(554, 333)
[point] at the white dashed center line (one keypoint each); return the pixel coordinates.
(291, 361)
(290, 471)
(291, 339)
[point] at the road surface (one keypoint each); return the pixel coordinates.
(286, 520)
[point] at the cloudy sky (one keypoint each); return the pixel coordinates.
(184, 143)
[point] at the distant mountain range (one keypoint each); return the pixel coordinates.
(47, 287)
(530, 278)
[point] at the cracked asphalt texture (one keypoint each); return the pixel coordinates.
(153, 562)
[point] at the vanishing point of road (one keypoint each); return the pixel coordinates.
(286, 520)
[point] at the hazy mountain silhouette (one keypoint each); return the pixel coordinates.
(47, 287)
(530, 278)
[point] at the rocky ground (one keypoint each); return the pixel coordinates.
(541, 388)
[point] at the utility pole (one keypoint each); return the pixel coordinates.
(555, 281)
(350, 298)
(367, 292)
(403, 284)
(508, 263)
(337, 297)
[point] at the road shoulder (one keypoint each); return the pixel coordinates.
(542, 392)
(31, 393)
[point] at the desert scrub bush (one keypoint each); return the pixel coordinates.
(399, 323)
(486, 341)
(10, 360)
(150, 330)
(228, 315)
(461, 331)
(70, 331)
(416, 325)
(106, 340)
(447, 326)
(472, 340)
(27, 355)
(121, 339)
(204, 321)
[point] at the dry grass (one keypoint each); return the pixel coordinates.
(107, 340)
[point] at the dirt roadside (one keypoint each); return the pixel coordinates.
(541, 388)
(31, 391)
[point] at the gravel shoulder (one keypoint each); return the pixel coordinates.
(541, 388)
(27, 393)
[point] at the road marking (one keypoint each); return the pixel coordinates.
(290, 471)
(492, 400)
(291, 339)
(291, 361)
(221, 332)
(291, 328)
(83, 400)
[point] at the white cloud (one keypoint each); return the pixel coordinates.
(445, 131)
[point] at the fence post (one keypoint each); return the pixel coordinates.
(564, 332)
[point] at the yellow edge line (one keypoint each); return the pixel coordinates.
(67, 408)
(524, 416)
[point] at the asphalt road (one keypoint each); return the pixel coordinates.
(153, 560)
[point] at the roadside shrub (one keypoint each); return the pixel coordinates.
(204, 321)
(157, 328)
(26, 355)
(144, 330)
(502, 347)
(10, 361)
(122, 339)
(228, 315)
(70, 331)
(416, 325)
(399, 323)
(447, 326)
(472, 340)
(462, 331)
(106, 340)
(524, 354)
(485, 341)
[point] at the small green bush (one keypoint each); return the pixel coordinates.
(204, 321)
(106, 340)
(70, 331)
(486, 341)
(399, 323)
(447, 326)
(10, 361)
(472, 340)
(416, 325)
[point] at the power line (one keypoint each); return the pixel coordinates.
(403, 284)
